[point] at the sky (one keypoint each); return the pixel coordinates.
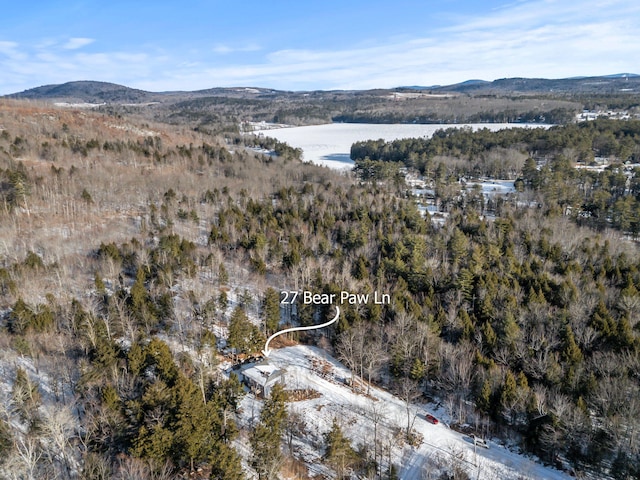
(312, 45)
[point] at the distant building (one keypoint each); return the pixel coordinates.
(261, 377)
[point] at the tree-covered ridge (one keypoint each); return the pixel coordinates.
(581, 142)
(520, 323)
(222, 109)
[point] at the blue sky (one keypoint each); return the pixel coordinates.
(308, 44)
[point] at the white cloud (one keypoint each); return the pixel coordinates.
(530, 38)
(545, 38)
(11, 51)
(56, 65)
(77, 42)
(541, 38)
(223, 49)
(6, 47)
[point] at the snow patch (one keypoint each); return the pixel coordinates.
(354, 411)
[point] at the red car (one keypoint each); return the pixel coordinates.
(431, 419)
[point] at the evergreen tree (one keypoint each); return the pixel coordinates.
(193, 428)
(267, 436)
(602, 321)
(458, 246)
(508, 393)
(226, 463)
(142, 306)
(159, 355)
(25, 396)
(339, 453)
(244, 336)
(418, 370)
(484, 399)
(571, 352)
(223, 276)
(271, 310)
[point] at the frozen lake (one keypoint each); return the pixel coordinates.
(330, 144)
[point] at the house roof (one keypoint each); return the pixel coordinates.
(261, 373)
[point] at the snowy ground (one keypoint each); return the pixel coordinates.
(494, 187)
(441, 447)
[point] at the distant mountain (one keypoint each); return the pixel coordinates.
(87, 91)
(111, 93)
(104, 92)
(622, 75)
(623, 82)
(504, 100)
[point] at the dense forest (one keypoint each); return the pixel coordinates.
(579, 142)
(129, 250)
(544, 285)
(541, 161)
(109, 294)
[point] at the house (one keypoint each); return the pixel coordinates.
(260, 377)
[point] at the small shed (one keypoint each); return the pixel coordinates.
(260, 377)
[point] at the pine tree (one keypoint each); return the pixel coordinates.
(141, 305)
(508, 393)
(25, 396)
(510, 330)
(464, 283)
(490, 336)
(602, 321)
(360, 270)
(624, 336)
(530, 173)
(266, 438)
(484, 399)
(271, 310)
(466, 324)
(20, 318)
(223, 301)
(223, 276)
(458, 246)
(244, 336)
(153, 442)
(19, 187)
(418, 370)
(101, 288)
(225, 462)
(571, 352)
(339, 454)
(159, 355)
(193, 427)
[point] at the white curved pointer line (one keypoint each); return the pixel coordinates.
(266, 350)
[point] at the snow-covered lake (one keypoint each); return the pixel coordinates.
(330, 144)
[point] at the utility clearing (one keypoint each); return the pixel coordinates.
(371, 416)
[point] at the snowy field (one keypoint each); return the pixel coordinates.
(494, 187)
(441, 447)
(330, 144)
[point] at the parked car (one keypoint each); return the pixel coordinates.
(480, 442)
(431, 419)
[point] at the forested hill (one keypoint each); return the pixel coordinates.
(133, 251)
(506, 100)
(607, 84)
(86, 91)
